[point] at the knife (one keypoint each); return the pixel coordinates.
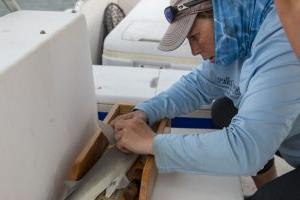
(108, 131)
(112, 166)
(107, 174)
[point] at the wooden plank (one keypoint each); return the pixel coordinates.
(125, 108)
(88, 157)
(150, 170)
(113, 113)
(148, 179)
(97, 145)
(93, 150)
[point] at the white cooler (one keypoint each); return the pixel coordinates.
(130, 85)
(135, 40)
(167, 77)
(115, 84)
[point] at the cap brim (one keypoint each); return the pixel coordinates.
(177, 33)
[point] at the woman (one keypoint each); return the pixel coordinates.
(250, 61)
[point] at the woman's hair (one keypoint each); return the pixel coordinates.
(206, 14)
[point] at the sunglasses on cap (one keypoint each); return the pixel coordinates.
(172, 11)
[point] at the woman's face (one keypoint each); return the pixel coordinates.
(201, 38)
(288, 11)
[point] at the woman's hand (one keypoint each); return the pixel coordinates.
(135, 114)
(133, 135)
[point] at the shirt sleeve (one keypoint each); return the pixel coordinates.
(268, 109)
(265, 118)
(185, 96)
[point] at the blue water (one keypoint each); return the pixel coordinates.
(54, 5)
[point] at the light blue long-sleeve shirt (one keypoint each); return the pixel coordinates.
(265, 88)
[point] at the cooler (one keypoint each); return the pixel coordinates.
(123, 85)
(167, 77)
(134, 42)
(130, 85)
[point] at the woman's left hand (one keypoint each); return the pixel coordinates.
(134, 135)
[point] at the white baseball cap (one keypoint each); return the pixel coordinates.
(182, 21)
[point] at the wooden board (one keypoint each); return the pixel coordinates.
(97, 145)
(150, 170)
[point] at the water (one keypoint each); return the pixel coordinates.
(54, 5)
